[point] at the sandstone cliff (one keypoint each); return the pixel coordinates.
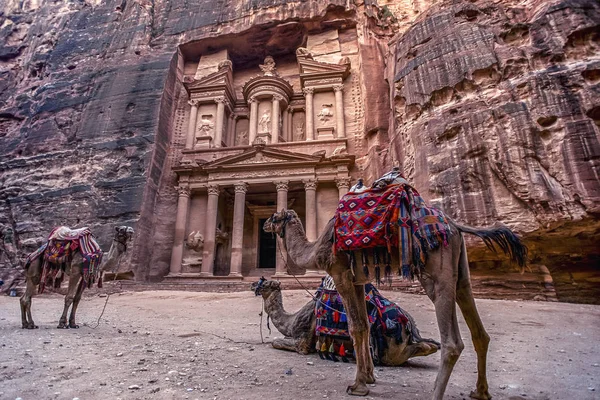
(490, 107)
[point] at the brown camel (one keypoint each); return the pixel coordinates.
(300, 335)
(445, 278)
(74, 271)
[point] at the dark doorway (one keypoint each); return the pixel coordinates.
(266, 247)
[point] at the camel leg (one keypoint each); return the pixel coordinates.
(439, 281)
(480, 338)
(26, 319)
(74, 278)
(80, 289)
(356, 310)
(285, 344)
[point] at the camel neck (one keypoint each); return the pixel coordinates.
(301, 251)
(281, 319)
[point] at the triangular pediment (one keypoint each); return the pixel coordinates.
(316, 67)
(262, 156)
(219, 78)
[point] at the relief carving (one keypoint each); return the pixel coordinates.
(325, 114)
(242, 138)
(299, 131)
(268, 68)
(206, 125)
(264, 123)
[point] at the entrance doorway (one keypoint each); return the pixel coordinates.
(267, 247)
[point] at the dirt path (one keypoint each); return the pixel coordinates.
(189, 345)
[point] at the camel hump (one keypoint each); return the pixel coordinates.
(66, 233)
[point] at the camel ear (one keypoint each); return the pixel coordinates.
(117, 228)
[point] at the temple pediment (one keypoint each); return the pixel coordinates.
(262, 157)
(311, 71)
(219, 81)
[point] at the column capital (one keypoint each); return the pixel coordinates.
(310, 184)
(252, 100)
(213, 190)
(308, 91)
(342, 182)
(240, 187)
(183, 191)
(282, 185)
(193, 103)
(277, 97)
(220, 100)
(338, 88)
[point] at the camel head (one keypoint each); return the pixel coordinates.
(123, 235)
(264, 287)
(277, 222)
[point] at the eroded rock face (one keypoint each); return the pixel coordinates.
(491, 108)
(495, 118)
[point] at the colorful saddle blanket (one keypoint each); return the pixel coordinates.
(59, 250)
(387, 218)
(333, 337)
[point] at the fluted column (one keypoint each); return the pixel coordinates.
(285, 126)
(220, 121)
(191, 133)
(253, 120)
(208, 255)
(339, 111)
(343, 185)
(310, 187)
(281, 256)
(180, 222)
(309, 125)
(230, 140)
(275, 119)
(237, 235)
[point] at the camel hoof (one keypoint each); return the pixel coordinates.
(73, 326)
(480, 396)
(371, 379)
(62, 326)
(30, 326)
(357, 390)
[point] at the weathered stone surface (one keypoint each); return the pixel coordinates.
(495, 115)
(490, 107)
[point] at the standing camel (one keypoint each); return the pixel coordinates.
(445, 278)
(75, 271)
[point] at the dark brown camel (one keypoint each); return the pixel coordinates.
(445, 279)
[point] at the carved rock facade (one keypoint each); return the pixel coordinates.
(491, 108)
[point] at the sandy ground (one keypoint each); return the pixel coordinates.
(189, 345)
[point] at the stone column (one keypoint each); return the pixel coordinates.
(180, 224)
(309, 125)
(230, 141)
(220, 121)
(191, 133)
(310, 187)
(290, 133)
(253, 120)
(339, 111)
(275, 115)
(343, 185)
(281, 256)
(208, 255)
(285, 125)
(237, 236)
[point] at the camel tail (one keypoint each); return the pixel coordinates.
(504, 238)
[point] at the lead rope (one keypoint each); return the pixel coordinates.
(108, 296)
(304, 287)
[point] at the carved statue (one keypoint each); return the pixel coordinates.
(299, 131)
(303, 52)
(206, 126)
(325, 114)
(264, 122)
(268, 68)
(242, 138)
(195, 241)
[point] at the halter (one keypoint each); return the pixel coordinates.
(285, 220)
(259, 285)
(124, 243)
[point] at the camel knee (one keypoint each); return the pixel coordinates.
(452, 352)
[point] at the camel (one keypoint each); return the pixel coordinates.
(74, 270)
(300, 335)
(445, 278)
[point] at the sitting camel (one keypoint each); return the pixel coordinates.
(74, 268)
(300, 335)
(444, 276)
